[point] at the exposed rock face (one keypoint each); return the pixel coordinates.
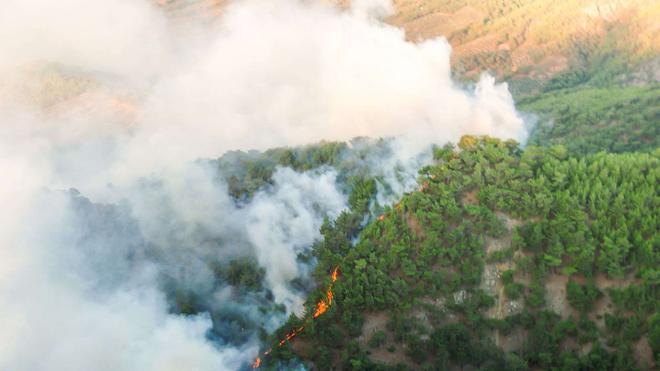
(491, 283)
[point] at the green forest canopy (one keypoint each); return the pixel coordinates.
(592, 119)
(592, 220)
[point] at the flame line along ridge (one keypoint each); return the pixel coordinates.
(321, 307)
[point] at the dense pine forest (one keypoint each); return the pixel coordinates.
(589, 119)
(504, 259)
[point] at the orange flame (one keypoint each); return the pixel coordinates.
(288, 337)
(323, 305)
(335, 274)
(321, 308)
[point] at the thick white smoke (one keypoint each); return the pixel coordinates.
(281, 224)
(113, 99)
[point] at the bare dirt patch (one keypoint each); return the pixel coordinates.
(555, 295)
(373, 323)
(604, 304)
(644, 354)
(491, 283)
(470, 198)
(509, 221)
(414, 225)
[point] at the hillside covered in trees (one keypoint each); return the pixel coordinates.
(505, 258)
(269, 195)
(592, 119)
(502, 259)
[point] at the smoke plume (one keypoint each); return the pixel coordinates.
(105, 108)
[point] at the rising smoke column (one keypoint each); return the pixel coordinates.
(132, 106)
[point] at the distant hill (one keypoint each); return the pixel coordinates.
(525, 42)
(557, 57)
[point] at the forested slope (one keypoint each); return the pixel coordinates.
(502, 259)
(592, 119)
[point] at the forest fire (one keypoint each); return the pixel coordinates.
(290, 335)
(335, 274)
(321, 307)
